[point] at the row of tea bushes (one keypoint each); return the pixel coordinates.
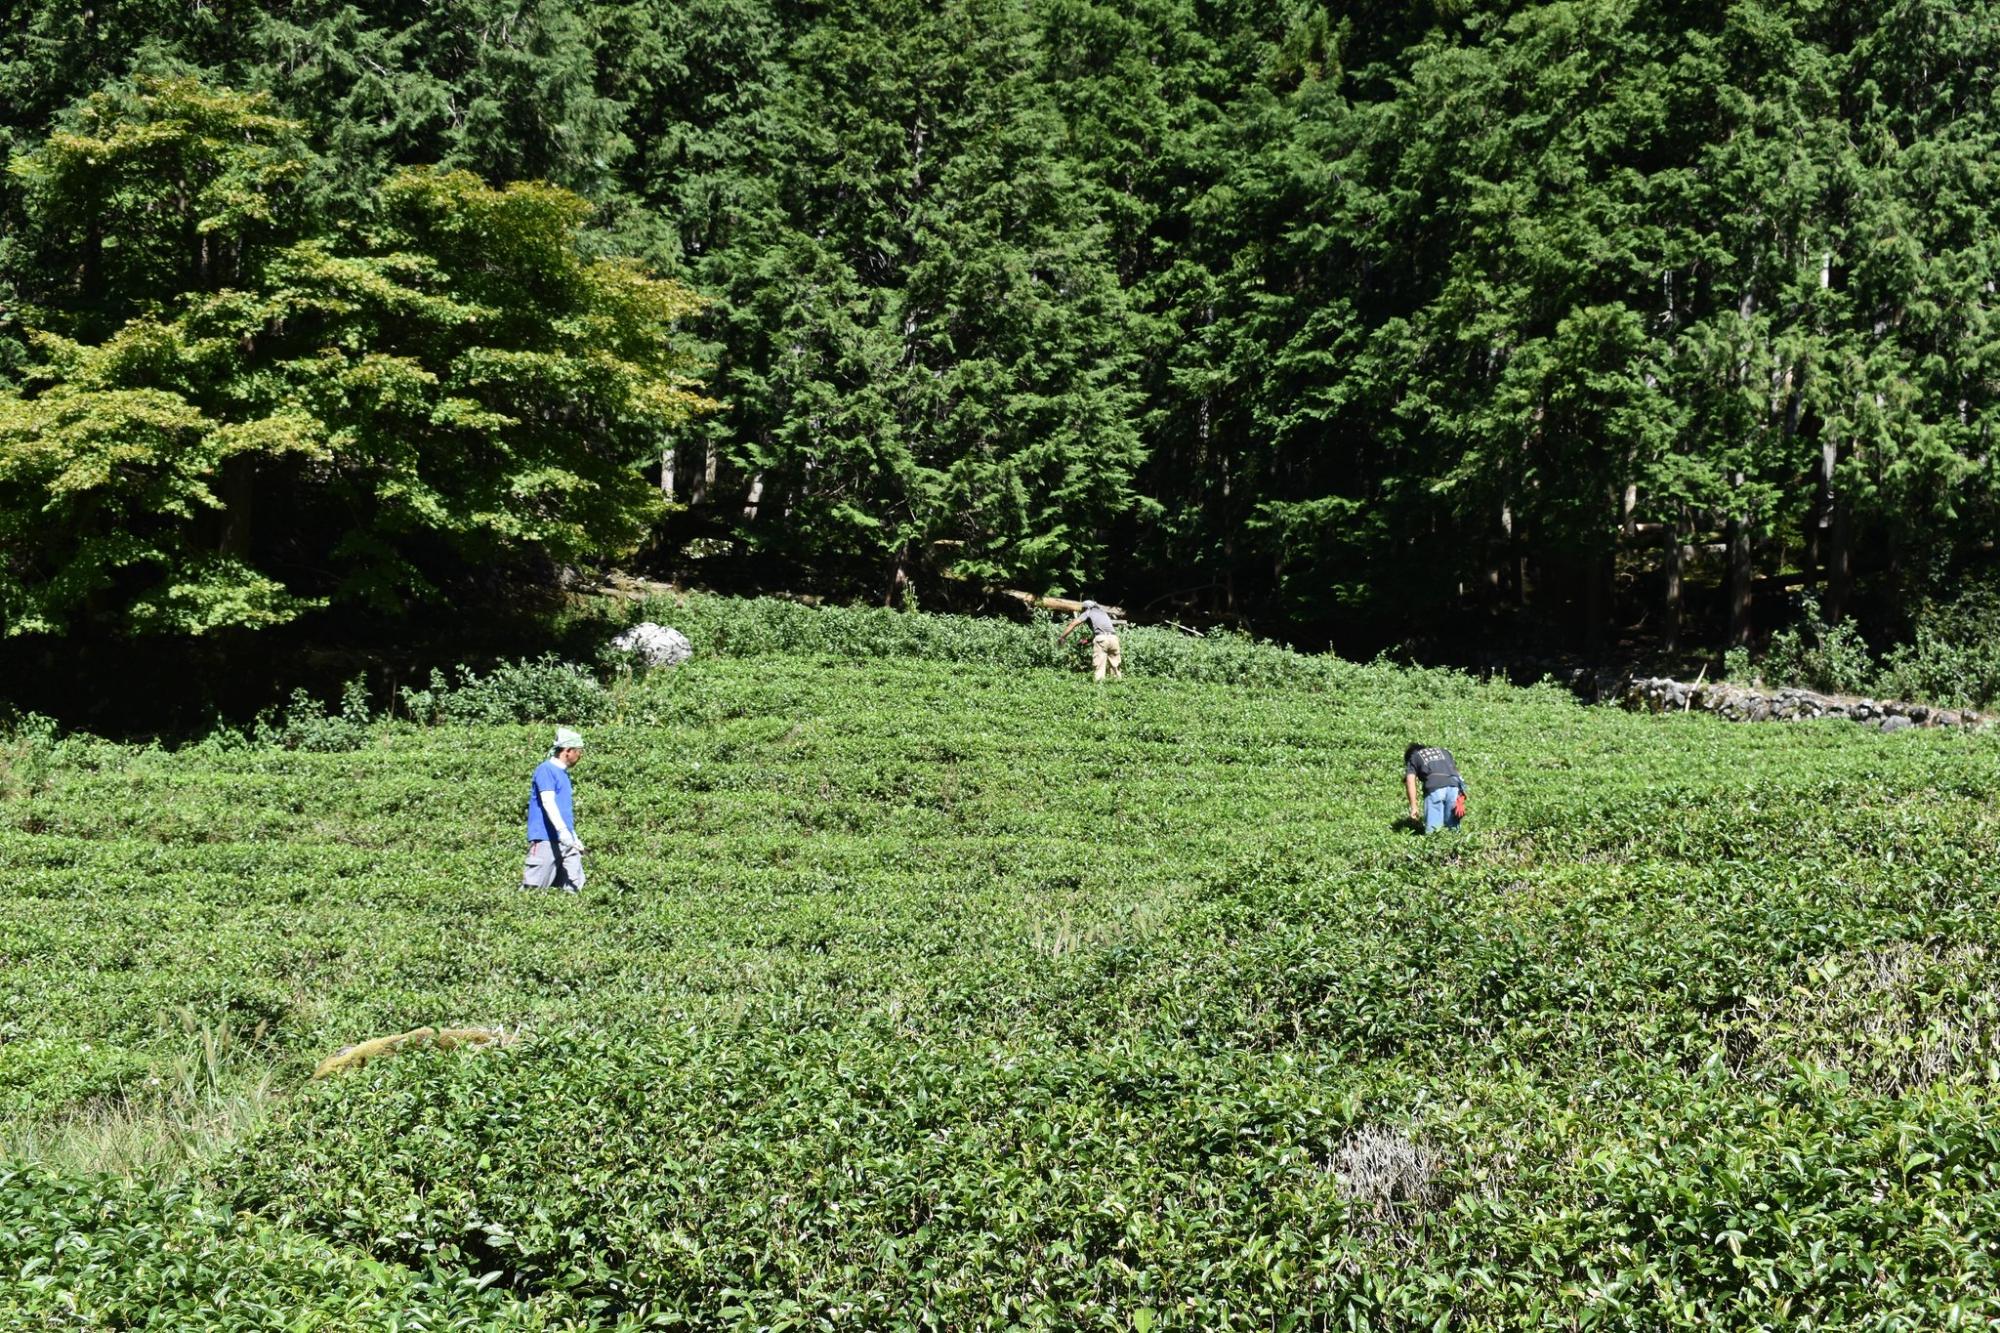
(915, 993)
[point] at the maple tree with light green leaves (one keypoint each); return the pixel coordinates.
(244, 412)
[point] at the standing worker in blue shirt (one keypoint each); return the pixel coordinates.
(1432, 770)
(555, 854)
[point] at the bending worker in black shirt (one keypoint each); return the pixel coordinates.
(1435, 773)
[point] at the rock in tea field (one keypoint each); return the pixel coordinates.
(654, 645)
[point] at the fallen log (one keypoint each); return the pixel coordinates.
(1066, 605)
(445, 1039)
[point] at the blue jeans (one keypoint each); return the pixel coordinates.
(1438, 809)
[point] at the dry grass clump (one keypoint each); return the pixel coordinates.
(208, 1094)
(1386, 1178)
(1893, 1019)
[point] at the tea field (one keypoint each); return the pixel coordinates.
(938, 990)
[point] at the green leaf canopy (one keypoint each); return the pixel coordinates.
(281, 411)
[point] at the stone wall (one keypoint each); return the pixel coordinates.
(1658, 694)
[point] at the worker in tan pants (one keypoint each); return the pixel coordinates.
(1104, 647)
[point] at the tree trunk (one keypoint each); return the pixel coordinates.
(238, 485)
(667, 452)
(1598, 570)
(1836, 558)
(1673, 598)
(1515, 545)
(1228, 541)
(93, 264)
(801, 487)
(1740, 570)
(899, 578)
(704, 480)
(755, 497)
(1821, 518)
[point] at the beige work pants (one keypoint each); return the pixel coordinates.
(1104, 653)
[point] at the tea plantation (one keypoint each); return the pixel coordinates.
(922, 984)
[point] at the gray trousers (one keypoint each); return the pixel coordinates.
(545, 870)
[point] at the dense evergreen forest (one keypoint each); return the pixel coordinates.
(1581, 320)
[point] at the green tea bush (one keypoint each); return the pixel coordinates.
(109, 1253)
(1953, 658)
(1819, 656)
(43, 1074)
(1894, 1018)
(27, 743)
(1712, 1202)
(545, 689)
(855, 1184)
(920, 992)
(762, 626)
(305, 724)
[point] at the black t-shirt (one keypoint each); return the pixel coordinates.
(1435, 767)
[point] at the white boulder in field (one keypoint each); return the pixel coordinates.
(654, 645)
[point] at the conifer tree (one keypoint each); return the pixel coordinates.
(930, 353)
